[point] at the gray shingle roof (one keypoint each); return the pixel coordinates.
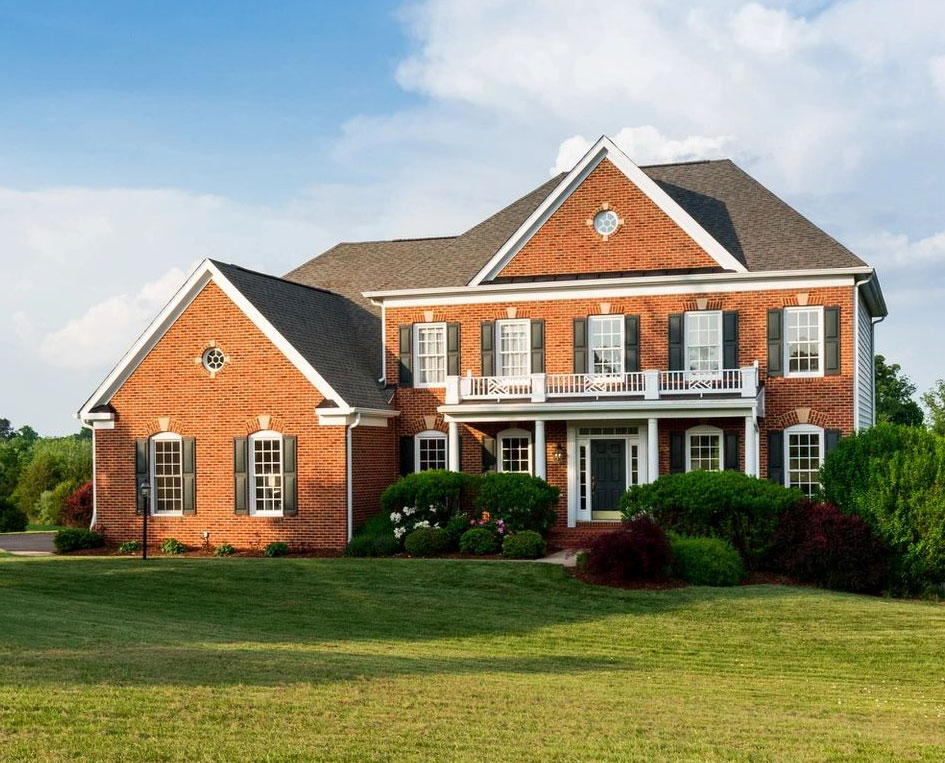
(318, 324)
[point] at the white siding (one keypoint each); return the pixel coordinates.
(864, 360)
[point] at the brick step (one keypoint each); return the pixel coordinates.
(580, 536)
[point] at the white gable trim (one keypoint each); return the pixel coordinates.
(605, 148)
(203, 274)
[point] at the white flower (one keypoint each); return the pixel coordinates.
(395, 517)
(424, 523)
(408, 510)
(399, 532)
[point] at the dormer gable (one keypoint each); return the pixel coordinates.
(607, 217)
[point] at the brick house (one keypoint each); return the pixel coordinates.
(616, 323)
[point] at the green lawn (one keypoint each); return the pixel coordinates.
(289, 659)
(32, 527)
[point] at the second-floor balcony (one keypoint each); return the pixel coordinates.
(645, 385)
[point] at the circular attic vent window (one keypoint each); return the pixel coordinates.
(606, 222)
(213, 359)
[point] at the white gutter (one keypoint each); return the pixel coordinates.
(349, 488)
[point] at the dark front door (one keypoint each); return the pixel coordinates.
(608, 477)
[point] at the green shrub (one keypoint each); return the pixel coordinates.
(479, 541)
(729, 505)
(130, 547)
(173, 546)
(526, 544)
(51, 503)
(224, 549)
(427, 541)
(455, 528)
(521, 501)
(374, 538)
(706, 561)
(431, 496)
(75, 538)
(12, 518)
(276, 548)
(894, 478)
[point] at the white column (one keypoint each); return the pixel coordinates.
(453, 449)
(652, 450)
(541, 451)
(750, 466)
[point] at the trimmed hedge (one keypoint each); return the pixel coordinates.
(522, 501)
(526, 544)
(435, 495)
(479, 541)
(706, 561)
(729, 505)
(638, 551)
(894, 478)
(427, 541)
(818, 543)
(74, 539)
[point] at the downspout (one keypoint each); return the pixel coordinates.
(349, 474)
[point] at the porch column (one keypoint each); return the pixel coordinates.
(541, 451)
(750, 466)
(652, 450)
(454, 446)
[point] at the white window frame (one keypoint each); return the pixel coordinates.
(702, 431)
(509, 434)
(622, 347)
(267, 434)
(787, 343)
(417, 381)
(499, 365)
(701, 313)
(152, 477)
(430, 434)
(802, 429)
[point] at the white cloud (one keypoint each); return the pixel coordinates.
(106, 330)
(937, 72)
(895, 251)
(22, 326)
(769, 30)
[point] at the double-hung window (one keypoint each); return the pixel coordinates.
(606, 344)
(430, 354)
(704, 341)
(167, 474)
(804, 446)
(430, 450)
(804, 345)
(515, 451)
(267, 473)
(513, 338)
(704, 449)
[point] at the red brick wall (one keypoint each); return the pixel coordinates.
(257, 380)
(376, 464)
(647, 240)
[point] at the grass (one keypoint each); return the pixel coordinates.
(352, 660)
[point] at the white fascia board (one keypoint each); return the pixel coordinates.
(605, 148)
(612, 288)
(365, 417)
(205, 272)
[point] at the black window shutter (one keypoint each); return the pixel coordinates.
(677, 452)
(189, 472)
(487, 332)
(488, 454)
(730, 339)
(290, 478)
(452, 349)
(406, 356)
(731, 451)
(775, 343)
(776, 456)
(142, 472)
(406, 456)
(631, 343)
(580, 346)
(538, 346)
(676, 324)
(832, 340)
(831, 439)
(240, 475)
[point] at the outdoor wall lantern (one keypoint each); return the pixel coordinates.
(559, 453)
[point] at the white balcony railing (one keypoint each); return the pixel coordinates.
(648, 385)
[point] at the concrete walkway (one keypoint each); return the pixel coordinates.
(566, 557)
(27, 544)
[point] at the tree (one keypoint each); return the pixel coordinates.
(6, 429)
(894, 391)
(934, 402)
(60, 465)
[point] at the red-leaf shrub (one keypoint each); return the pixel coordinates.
(77, 511)
(639, 550)
(818, 543)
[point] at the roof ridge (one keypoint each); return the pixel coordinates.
(397, 240)
(681, 164)
(319, 289)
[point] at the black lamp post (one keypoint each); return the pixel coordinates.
(145, 489)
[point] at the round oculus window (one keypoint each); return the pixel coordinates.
(213, 359)
(606, 222)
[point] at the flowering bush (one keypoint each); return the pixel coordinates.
(523, 502)
(435, 495)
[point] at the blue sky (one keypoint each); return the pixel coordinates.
(138, 138)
